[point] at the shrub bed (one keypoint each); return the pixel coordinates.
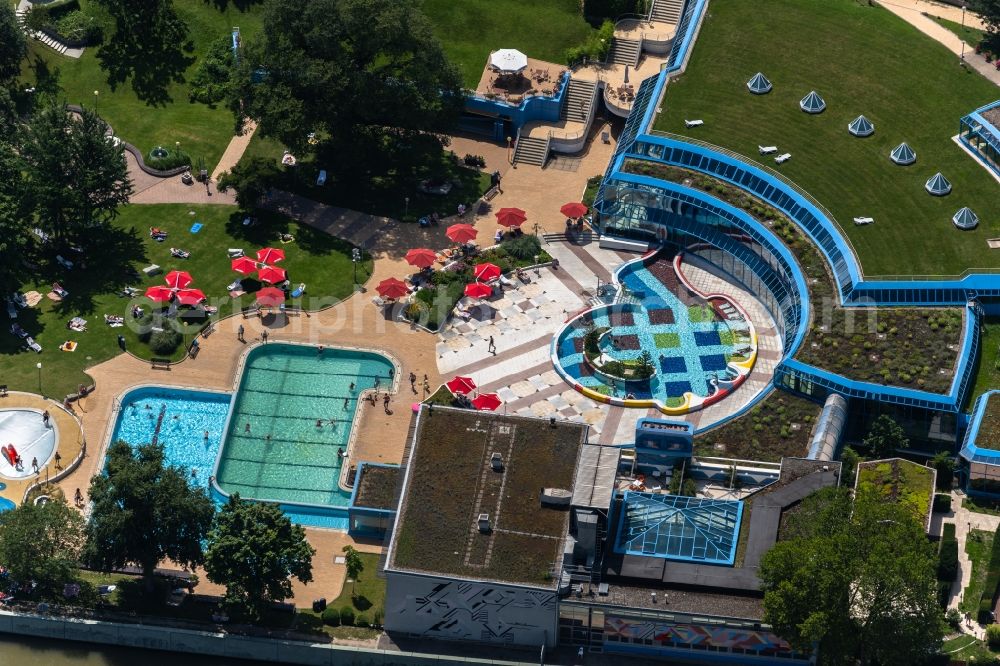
(942, 504)
(894, 346)
(948, 555)
(992, 580)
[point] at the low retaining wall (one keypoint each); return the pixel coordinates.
(136, 153)
(271, 650)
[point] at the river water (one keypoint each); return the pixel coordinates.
(51, 652)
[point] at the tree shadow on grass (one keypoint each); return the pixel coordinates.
(240, 5)
(46, 79)
(361, 602)
(153, 57)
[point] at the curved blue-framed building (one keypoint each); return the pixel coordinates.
(641, 206)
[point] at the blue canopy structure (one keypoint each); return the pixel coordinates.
(812, 103)
(861, 127)
(937, 185)
(965, 219)
(903, 154)
(759, 85)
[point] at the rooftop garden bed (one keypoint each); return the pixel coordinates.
(778, 426)
(900, 481)
(437, 531)
(989, 427)
(915, 347)
(860, 69)
(377, 487)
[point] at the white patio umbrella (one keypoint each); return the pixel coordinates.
(508, 60)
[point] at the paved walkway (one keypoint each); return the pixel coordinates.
(911, 12)
(964, 520)
(234, 151)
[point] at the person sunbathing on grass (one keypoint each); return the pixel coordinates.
(179, 253)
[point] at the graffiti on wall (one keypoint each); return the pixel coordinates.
(727, 638)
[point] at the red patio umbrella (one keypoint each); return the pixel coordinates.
(159, 293)
(478, 290)
(270, 255)
(178, 279)
(486, 272)
(270, 296)
(421, 257)
(487, 402)
(574, 209)
(511, 217)
(244, 265)
(463, 385)
(190, 296)
(271, 274)
(392, 288)
(462, 233)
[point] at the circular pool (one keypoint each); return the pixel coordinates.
(24, 432)
(660, 344)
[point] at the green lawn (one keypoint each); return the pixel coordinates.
(315, 258)
(366, 597)
(202, 132)
(861, 59)
(988, 364)
(969, 650)
(978, 546)
(971, 36)
(471, 29)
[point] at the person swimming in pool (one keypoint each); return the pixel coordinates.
(319, 423)
(247, 428)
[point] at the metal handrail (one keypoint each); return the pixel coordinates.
(784, 179)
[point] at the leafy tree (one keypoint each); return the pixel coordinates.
(336, 66)
(885, 437)
(850, 459)
(146, 46)
(251, 178)
(77, 178)
(41, 543)
(944, 463)
(15, 212)
(858, 582)
(144, 512)
(211, 80)
(255, 551)
(989, 12)
(13, 44)
(355, 565)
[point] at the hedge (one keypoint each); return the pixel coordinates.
(948, 561)
(942, 503)
(992, 581)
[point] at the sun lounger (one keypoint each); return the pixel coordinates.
(235, 286)
(19, 299)
(864, 220)
(784, 157)
(30, 343)
(693, 123)
(179, 253)
(151, 270)
(301, 289)
(65, 263)
(767, 150)
(380, 302)
(11, 310)
(42, 236)
(235, 252)
(130, 292)
(78, 324)
(114, 321)
(321, 178)
(59, 291)
(18, 331)
(157, 234)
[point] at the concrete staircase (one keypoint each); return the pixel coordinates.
(531, 150)
(51, 43)
(578, 100)
(624, 51)
(666, 11)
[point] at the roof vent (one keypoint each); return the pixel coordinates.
(496, 462)
(556, 497)
(484, 523)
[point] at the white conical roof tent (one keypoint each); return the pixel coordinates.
(965, 219)
(861, 127)
(812, 103)
(759, 85)
(937, 185)
(903, 154)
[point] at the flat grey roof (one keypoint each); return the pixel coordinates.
(595, 476)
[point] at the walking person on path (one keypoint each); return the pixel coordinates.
(492, 347)
(58, 459)
(45, 418)
(263, 336)
(413, 381)
(239, 334)
(385, 403)
(34, 465)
